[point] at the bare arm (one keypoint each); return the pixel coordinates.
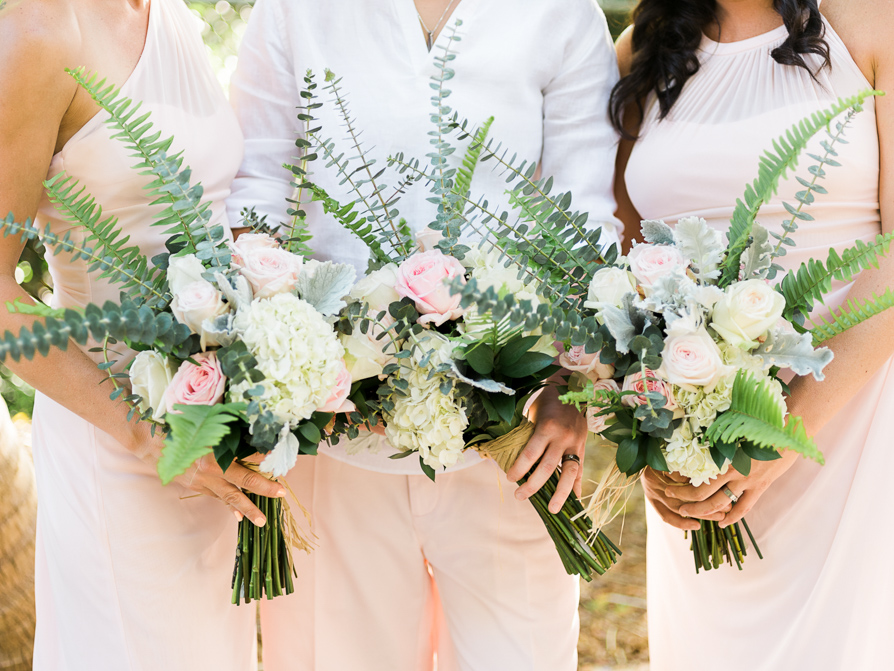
(35, 99)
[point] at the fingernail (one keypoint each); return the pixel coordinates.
(239, 516)
(281, 494)
(261, 521)
(520, 495)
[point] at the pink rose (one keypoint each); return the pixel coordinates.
(249, 241)
(648, 263)
(201, 384)
(642, 383)
(598, 424)
(269, 268)
(338, 398)
(424, 278)
(693, 360)
(577, 360)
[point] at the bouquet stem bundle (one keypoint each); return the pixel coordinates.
(583, 550)
(712, 546)
(264, 564)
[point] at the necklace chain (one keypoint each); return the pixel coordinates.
(430, 34)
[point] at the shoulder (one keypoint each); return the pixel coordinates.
(38, 39)
(867, 29)
(624, 49)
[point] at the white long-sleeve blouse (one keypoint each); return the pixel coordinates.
(543, 68)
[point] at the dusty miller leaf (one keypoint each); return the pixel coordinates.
(325, 284)
(702, 245)
(485, 384)
(795, 351)
(620, 326)
(657, 232)
(758, 256)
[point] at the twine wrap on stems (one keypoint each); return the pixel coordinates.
(583, 549)
(506, 449)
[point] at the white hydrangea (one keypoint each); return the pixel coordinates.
(297, 351)
(686, 455)
(425, 420)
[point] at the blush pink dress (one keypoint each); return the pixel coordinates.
(823, 597)
(131, 575)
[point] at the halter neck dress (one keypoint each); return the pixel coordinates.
(129, 575)
(823, 596)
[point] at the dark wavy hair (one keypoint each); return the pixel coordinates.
(666, 36)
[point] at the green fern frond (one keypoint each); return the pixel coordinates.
(773, 167)
(193, 431)
(118, 262)
(462, 185)
(348, 217)
(756, 414)
(810, 283)
(856, 313)
(186, 215)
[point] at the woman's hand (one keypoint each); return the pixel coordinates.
(656, 484)
(559, 430)
(206, 478)
(708, 501)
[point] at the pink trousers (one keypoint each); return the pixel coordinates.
(411, 575)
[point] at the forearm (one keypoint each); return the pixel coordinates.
(859, 354)
(70, 378)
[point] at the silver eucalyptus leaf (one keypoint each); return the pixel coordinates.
(794, 351)
(325, 284)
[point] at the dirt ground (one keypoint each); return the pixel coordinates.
(613, 632)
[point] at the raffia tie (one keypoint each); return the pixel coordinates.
(610, 497)
(506, 449)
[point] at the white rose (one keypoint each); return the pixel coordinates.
(608, 287)
(692, 360)
(196, 302)
(150, 375)
(428, 239)
(377, 289)
(365, 356)
(747, 312)
(183, 270)
(648, 263)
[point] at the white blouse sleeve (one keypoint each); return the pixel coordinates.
(265, 95)
(579, 142)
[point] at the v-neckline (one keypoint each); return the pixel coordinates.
(414, 37)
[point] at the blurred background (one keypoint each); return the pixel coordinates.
(613, 607)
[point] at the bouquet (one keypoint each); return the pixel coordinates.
(443, 379)
(690, 332)
(237, 354)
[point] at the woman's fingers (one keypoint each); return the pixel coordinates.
(568, 480)
(528, 457)
(233, 497)
(741, 508)
(549, 462)
(701, 493)
(713, 508)
(672, 518)
(250, 481)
